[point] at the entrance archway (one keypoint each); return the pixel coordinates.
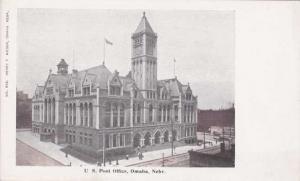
(136, 140)
(147, 138)
(166, 136)
(157, 137)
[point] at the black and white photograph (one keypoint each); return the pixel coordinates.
(125, 88)
(149, 90)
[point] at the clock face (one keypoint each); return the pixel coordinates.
(138, 51)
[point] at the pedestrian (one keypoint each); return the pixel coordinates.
(66, 155)
(127, 157)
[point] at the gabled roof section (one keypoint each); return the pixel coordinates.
(144, 26)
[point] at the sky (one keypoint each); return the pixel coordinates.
(202, 42)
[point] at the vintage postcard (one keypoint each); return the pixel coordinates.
(111, 93)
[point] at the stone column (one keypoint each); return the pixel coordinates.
(142, 142)
(97, 106)
(161, 139)
(151, 140)
(118, 109)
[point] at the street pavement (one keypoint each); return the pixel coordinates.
(27, 156)
(50, 149)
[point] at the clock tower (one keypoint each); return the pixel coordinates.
(144, 57)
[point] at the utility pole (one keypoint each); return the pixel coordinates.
(223, 137)
(163, 159)
(204, 138)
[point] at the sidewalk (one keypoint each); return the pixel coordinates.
(48, 148)
(158, 154)
(53, 151)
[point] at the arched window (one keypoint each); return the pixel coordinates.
(150, 113)
(159, 113)
(133, 113)
(184, 114)
(67, 113)
(138, 113)
(107, 114)
(176, 112)
(81, 114)
(70, 114)
(91, 115)
(115, 115)
(168, 113)
(74, 114)
(192, 113)
(85, 114)
(122, 115)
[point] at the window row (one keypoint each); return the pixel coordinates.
(189, 113)
(85, 114)
(114, 115)
(114, 140)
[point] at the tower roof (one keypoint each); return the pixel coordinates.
(62, 63)
(144, 26)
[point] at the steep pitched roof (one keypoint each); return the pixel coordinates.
(62, 63)
(99, 75)
(144, 26)
(59, 81)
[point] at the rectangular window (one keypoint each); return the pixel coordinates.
(90, 142)
(115, 116)
(106, 141)
(80, 140)
(114, 140)
(122, 140)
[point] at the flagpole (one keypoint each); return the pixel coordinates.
(104, 52)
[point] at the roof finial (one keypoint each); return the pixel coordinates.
(144, 14)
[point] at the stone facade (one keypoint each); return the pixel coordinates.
(95, 108)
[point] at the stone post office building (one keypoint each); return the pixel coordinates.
(80, 107)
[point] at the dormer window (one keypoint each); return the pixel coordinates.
(86, 91)
(71, 92)
(135, 94)
(188, 96)
(115, 90)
